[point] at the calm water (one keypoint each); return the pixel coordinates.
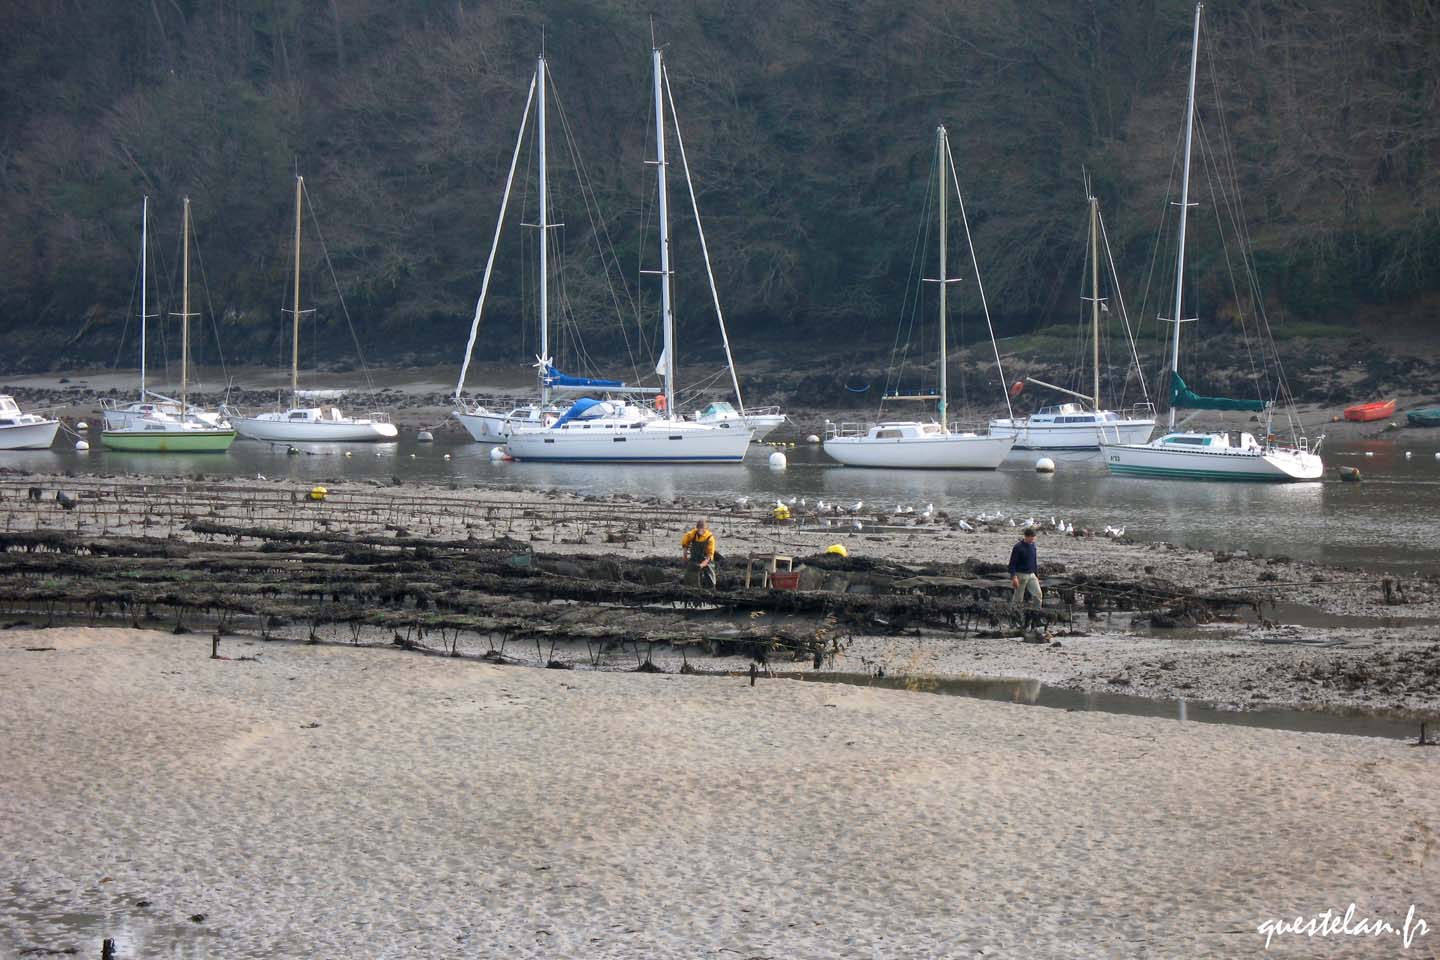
(1387, 522)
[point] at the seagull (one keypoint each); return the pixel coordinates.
(790, 502)
(820, 505)
(742, 502)
(1012, 521)
(858, 524)
(259, 476)
(929, 510)
(965, 526)
(855, 507)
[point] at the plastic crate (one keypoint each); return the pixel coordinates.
(785, 580)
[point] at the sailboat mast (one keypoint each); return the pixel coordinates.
(1177, 317)
(544, 238)
(144, 250)
(295, 328)
(185, 311)
(667, 317)
(940, 154)
(1095, 295)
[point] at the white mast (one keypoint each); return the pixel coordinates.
(544, 237)
(1095, 294)
(667, 318)
(940, 154)
(494, 245)
(295, 329)
(144, 249)
(1184, 209)
(185, 312)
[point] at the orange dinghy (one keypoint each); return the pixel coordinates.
(1365, 412)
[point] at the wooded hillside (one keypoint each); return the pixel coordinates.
(808, 125)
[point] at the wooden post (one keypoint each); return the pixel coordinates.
(107, 949)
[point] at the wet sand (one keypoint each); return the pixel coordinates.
(331, 801)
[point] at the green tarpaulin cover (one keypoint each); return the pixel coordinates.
(1183, 396)
(1429, 417)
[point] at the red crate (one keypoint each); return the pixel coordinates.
(785, 580)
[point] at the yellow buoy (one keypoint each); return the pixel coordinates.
(838, 549)
(781, 512)
(318, 492)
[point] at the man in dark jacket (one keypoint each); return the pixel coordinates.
(1024, 570)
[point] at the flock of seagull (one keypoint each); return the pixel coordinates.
(855, 514)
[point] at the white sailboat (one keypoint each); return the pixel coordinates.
(1219, 455)
(150, 405)
(301, 423)
(1083, 425)
(619, 431)
(24, 431)
(492, 419)
(915, 444)
(169, 427)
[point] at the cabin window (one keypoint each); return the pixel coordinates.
(888, 434)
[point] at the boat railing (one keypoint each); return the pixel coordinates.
(492, 404)
(761, 411)
(834, 431)
(970, 426)
(378, 416)
(1142, 411)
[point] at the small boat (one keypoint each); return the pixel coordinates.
(1365, 412)
(170, 426)
(24, 431)
(760, 419)
(1428, 417)
(914, 444)
(1217, 455)
(300, 422)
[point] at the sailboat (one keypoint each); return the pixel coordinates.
(1082, 425)
(916, 444)
(1219, 455)
(306, 424)
(492, 420)
(150, 404)
(169, 427)
(620, 430)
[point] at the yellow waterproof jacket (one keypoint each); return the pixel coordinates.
(704, 538)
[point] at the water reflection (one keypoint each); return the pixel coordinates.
(1377, 523)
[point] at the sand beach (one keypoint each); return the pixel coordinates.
(350, 802)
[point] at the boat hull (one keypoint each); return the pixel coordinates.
(280, 431)
(1046, 436)
(484, 427)
(650, 442)
(1366, 412)
(168, 441)
(1429, 417)
(763, 424)
(1271, 465)
(29, 436)
(945, 452)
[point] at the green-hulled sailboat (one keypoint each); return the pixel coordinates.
(160, 432)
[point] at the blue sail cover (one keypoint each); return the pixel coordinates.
(576, 409)
(555, 378)
(1182, 396)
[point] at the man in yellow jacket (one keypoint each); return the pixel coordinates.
(698, 549)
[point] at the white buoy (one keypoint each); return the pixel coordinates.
(82, 425)
(447, 456)
(1407, 454)
(1044, 465)
(497, 453)
(813, 438)
(777, 461)
(82, 445)
(424, 436)
(1369, 453)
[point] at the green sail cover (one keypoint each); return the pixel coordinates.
(1183, 396)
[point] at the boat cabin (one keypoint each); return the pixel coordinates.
(1210, 442)
(1071, 414)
